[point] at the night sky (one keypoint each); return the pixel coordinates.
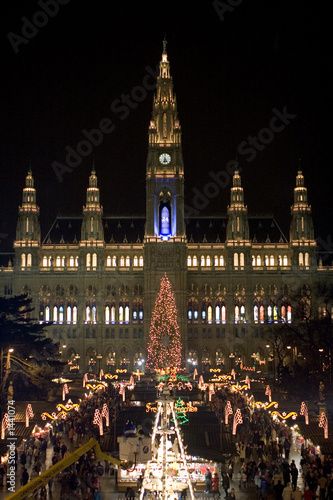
(230, 70)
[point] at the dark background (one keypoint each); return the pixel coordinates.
(228, 76)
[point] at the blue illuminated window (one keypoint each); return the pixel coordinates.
(165, 220)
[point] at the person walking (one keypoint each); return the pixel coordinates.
(297, 494)
(208, 481)
(215, 486)
(278, 488)
(287, 492)
(225, 483)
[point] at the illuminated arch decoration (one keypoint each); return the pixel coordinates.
(68, 406)
(227, 411)
(96, 387)
(323, 422)
(265, 406)
(54, 415)
(111, 377)
(284, 415)
(237, 420)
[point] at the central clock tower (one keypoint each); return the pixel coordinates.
(165, 236)
(165, 167)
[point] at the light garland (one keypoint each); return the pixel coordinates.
(268, 393)
(265, 406)
(28, 414)
(304, 411)
(284, 415)
(54, 416)
(237, 420)
(65, 391)
(323, 422)
(105, 414)
(227, 411)
(111, 377)
(4, 425)
(98, 421)
(68, 406)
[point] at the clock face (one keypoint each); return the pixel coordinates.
(165, 158)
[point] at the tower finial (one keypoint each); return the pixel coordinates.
(164, 45)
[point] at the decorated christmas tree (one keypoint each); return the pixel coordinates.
(164, 345)
(179, 411)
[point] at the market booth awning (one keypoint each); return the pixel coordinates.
(316, 434)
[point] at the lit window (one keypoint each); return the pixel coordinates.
(256, 314)
(195, 314)
(189, 261)
(269, 314)
(47, 314)
(285, 260)
(189, 314)
(300, 259)
(113, 314)
(58, 261)
(241, 260)
(45, 261)
(289, 314)
(258, 260)
(242, 313)
(94, 314)
(29, 260)
(114, 261)
(74, 315)
(88, 314)
(253, 260)
(271, 260)
(208, 261)
(69, 315)
(121, 314)
(202, 261)
(306, 259)
(127, 314)
(275, 314)
(236, 314)
(108, 261)
(165, 220)
(55, 314)
(76, 261)
(209, 314)
(223, 314)
(94, 260)
(135, 261)
(217, 314)
(235, 260)
(88, 260)
(261, 314)
(283, 313)
(266, 260)
(71, 261)
(195, 261)
(221, 260)
(141, 313)
(122, 261)
(141, 261)
(128, 261)
(216, 261)
(107, 315)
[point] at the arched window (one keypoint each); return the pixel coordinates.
(221, 260)
(94, 260)
(140, 311)
(165, 220)
(71, 261)
(29, 260)
(88, 314)
(271, 260)
(88, 260)
(275, 313)
(108, 261)
(300, 259)
(135, 261)
(58, 261)
(236, 314)
(122, 261)
(289, 314)
(202, 261)
(107, 316)
(121, 313)
(114, 261)
(242, 313)
(74, 315)
(203, 311)
(258, 260)
(69, 315)
(208, 263)
(127, 313)
(94, 314)
(189, 261)
(223, 314)
(261, 314)
(255, 313)
(306, 260)
(127, 261)
(235, 260)
(266, 261)
(141, 261)
(253, 260)
(113, 314)
(217, 313)
(241, 260)
(216, 261)
(195, 261)
(209, 314)
(44, 261)
(285, 260)
(269, 314)
(23, 260)
(283, 313)
(55, 314)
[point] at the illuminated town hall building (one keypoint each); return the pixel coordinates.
(94, 278)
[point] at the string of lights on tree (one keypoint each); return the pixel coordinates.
(164, 345)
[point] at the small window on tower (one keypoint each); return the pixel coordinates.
(165, 225)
